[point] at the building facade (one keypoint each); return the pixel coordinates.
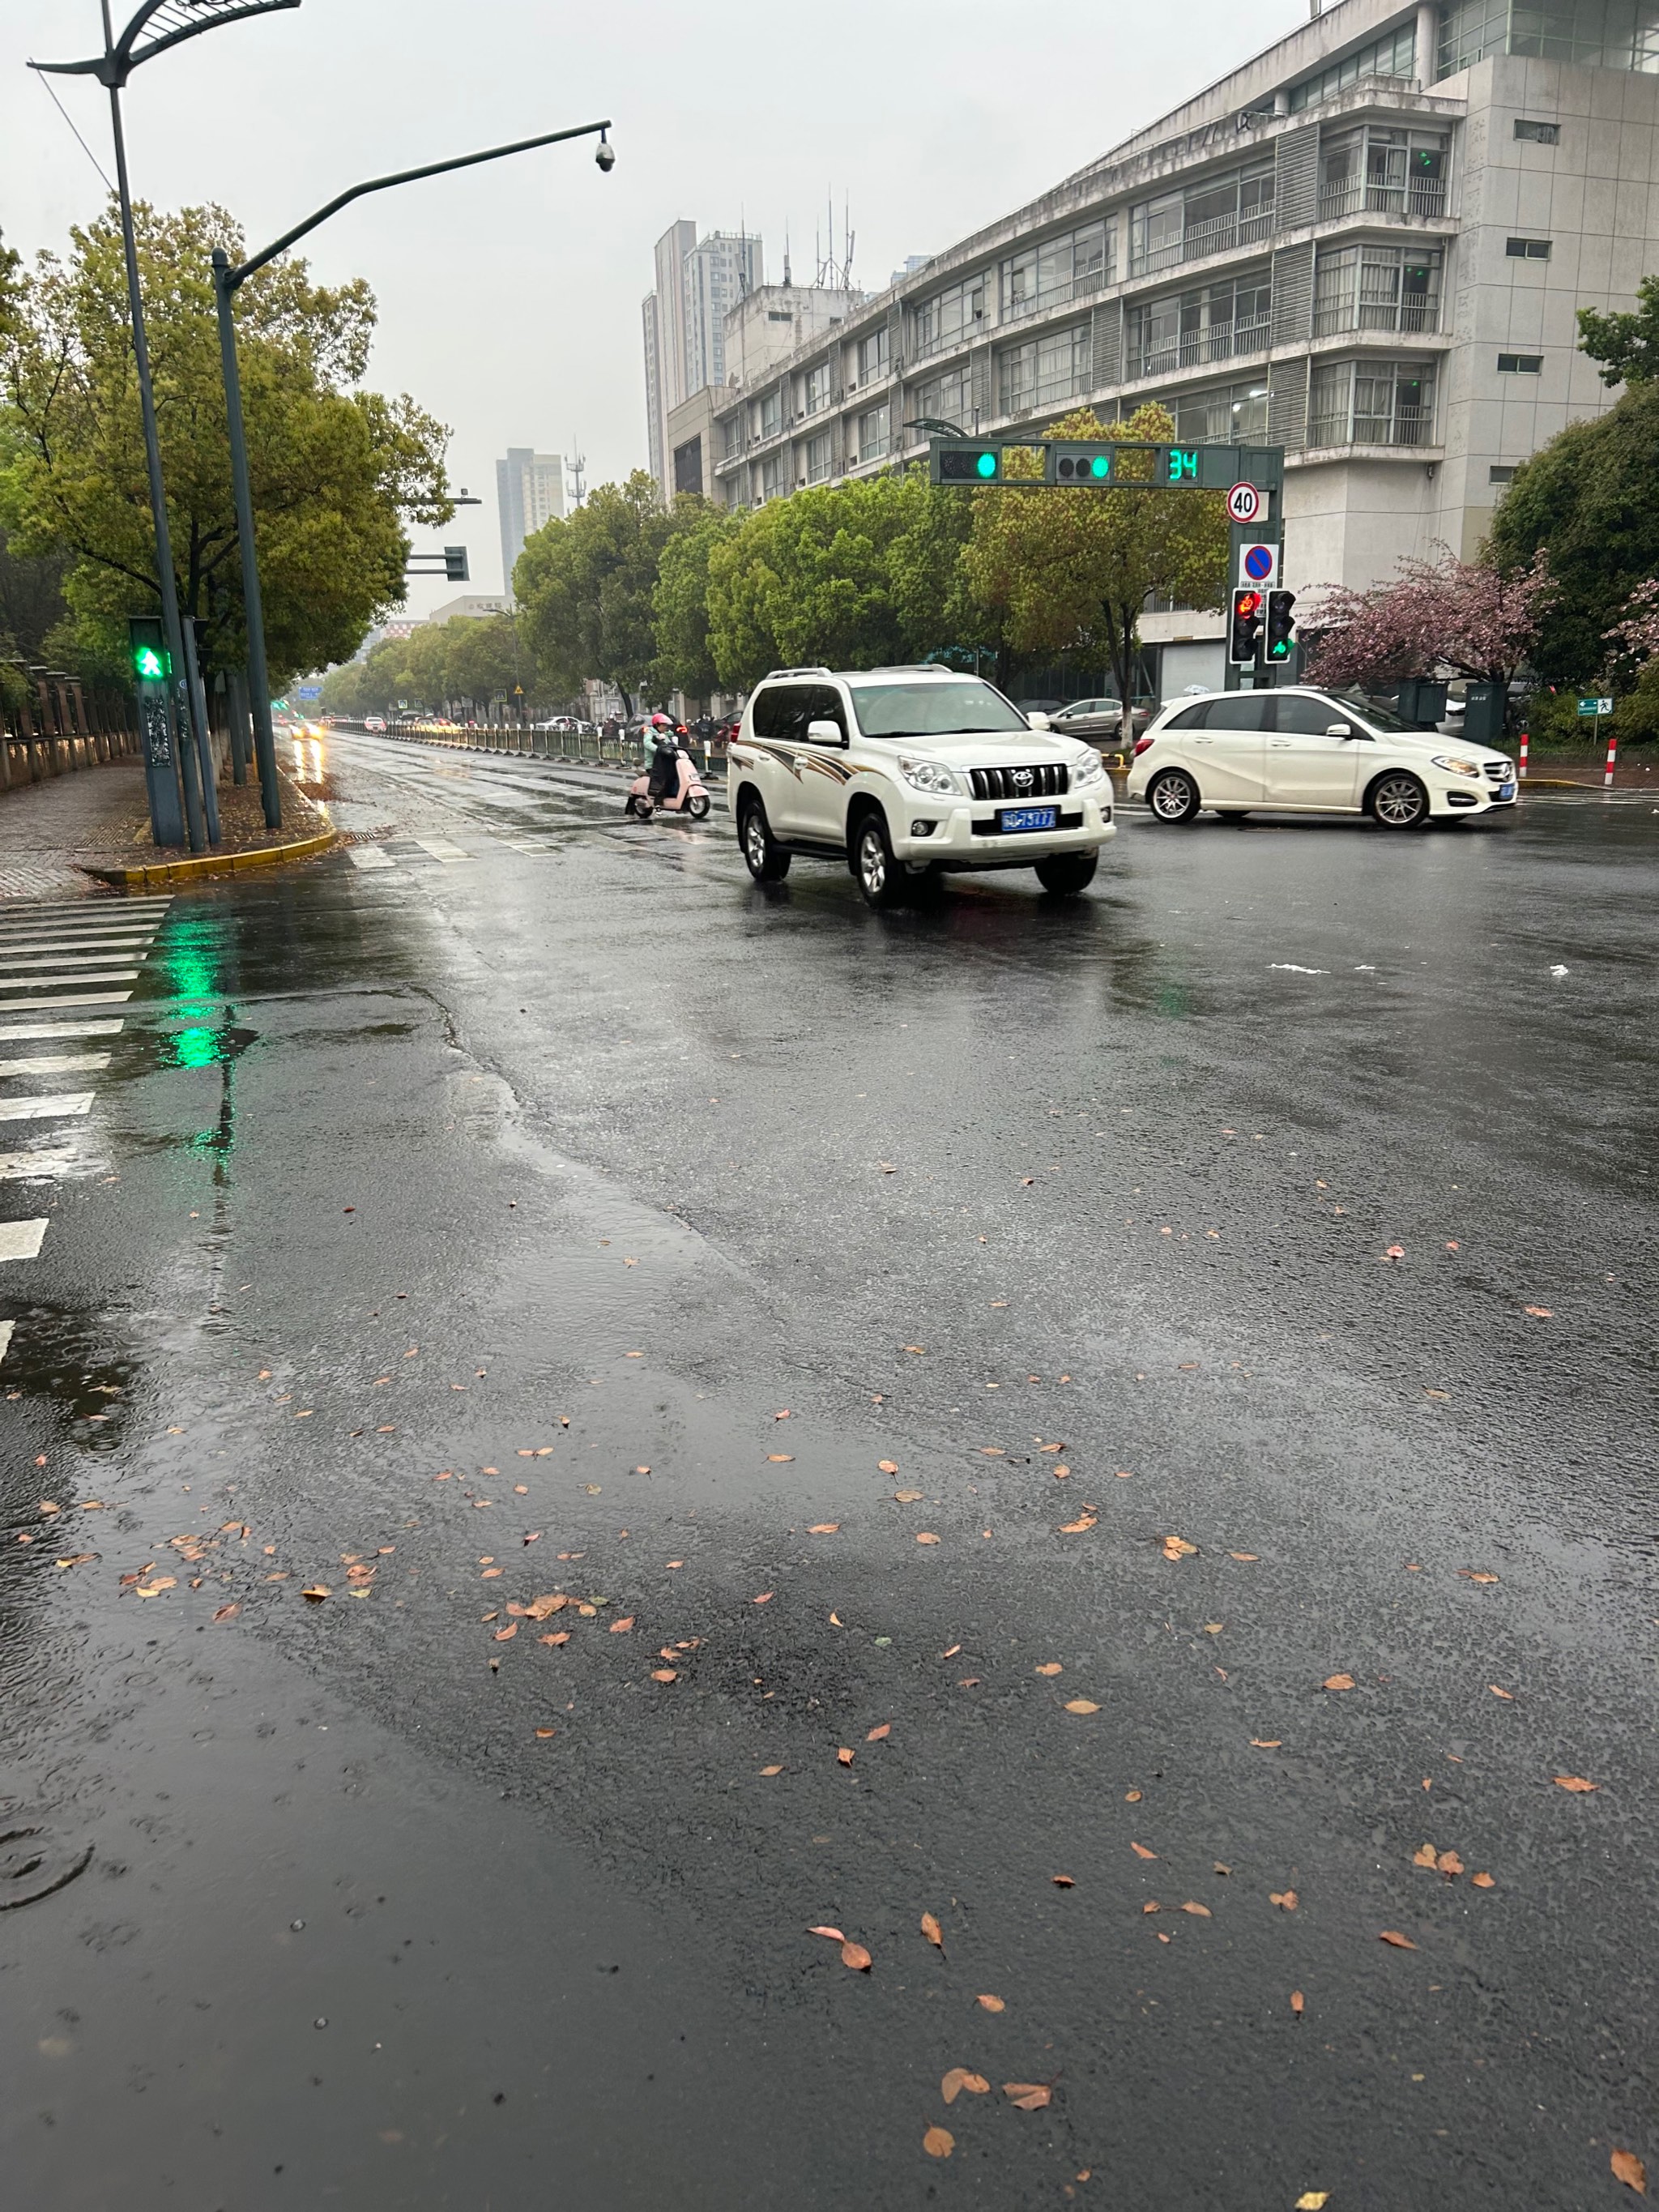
(529, 491)
(1368, 246)
(699, 284)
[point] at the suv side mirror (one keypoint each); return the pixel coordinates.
(825, 733)
(1039, 722)
(1339, 730)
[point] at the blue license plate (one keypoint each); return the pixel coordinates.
(1506, 791)
(1029, 817)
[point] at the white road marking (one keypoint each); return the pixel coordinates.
(45, 1110)
(26, 956)
(369, 856)
(56, 1063)
(60, 1028)
(20, 1240)
(442, 849)
(74, 999)
(137, 909)
(5, 1337)
(40, 1165)
(112, 944)
(42, 982)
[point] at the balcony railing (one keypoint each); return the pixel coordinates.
(1423, 197)
(1407, 426)
(1421, 313)
(1221, 342)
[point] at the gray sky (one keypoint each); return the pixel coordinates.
(509, 297)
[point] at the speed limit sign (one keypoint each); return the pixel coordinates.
(1243, 503)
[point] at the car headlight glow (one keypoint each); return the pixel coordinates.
(927, 776)
(1455, 765)
(1089, 769)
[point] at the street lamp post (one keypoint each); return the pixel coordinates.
(228, 280)
(157, 25)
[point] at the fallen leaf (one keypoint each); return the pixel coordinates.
(1142, 1851)
(663, 1674)
(1285, 1899)
(1177, 1547)
(1051, 1667)
(1151, 1905)
(951, 1653)
(1574, 1782)
(959, 2078)
(1081, 1706)
(887, 1466)
(1198, 1911)
(939, 2142)
(1266, 1743)
(1249, 1558)
(1063, 1880)
(1399, 1942)
(968, 1682)
(539, 1608)
(1629, 2169)
(1542, 1313)
(621, 1627)
(855, 1956)
(316, 1592)
(1028, 2096)
(1468, 1575)
(927, 1536)
(934, 1932)
(1337, 1682)
(771, 1770)
(885, 1729)
(835, 1934)
(1425, 1858)
(1076, 1527)
(1483, 1881)
(545, 1732)
(780, 1459)
(228, 1613)
(75, 1559)
(823, 1529)
(1449, 1863)
(1507, 1696)
(1213, 1627)
(907, 1496)
(990, 2004)
(845, 1755)
(1131, 1796)
(1313, 2200)
(765, 1597)
(1298, 2001)
(561, 1637)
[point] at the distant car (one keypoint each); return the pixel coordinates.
(1039, 706)
(1097, 720)
(375, 722)
(1301, 751)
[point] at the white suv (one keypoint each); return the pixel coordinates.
(903, 775)
(1299, 750)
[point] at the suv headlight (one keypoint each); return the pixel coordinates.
(928, 775)
(1455, 765)
(1089, 769)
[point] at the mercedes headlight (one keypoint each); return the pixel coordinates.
(1090, 769)
(927, 776)
(1455, 765)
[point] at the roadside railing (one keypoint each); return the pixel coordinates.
(51, 725)
(577, 748)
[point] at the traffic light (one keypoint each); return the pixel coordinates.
(1076, 465)
(455, 567)
(1281, 642)
(967, 463)
(1245, 628)
(147, 643)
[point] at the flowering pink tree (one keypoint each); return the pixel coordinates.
(1456, 615)
(1636, 639)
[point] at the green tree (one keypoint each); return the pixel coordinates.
(679, 605)
(1626, 346)
(332, 466)
(1071, 570)
(1590, 499)
(586, 584)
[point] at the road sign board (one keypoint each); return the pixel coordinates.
(1595, 706)
(1243, 503)
(1258, 564)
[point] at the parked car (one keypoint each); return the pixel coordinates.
(1301, 751)
(1100, 722)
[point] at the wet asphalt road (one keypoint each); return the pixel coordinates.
(474, 1221)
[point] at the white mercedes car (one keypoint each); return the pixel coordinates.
(905, 775)
(1299, 750)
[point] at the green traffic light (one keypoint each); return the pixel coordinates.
(1101, 465)
(986, 465)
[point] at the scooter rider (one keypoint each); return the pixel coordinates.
(664, 758)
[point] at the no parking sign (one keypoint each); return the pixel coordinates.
(1258, 565)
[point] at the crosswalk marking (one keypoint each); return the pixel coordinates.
(74, 999)
(369, 856)
(56, 1063)
(442, 849)
(5, 1337)
(47, 982)
(26, 957)
(41, 1166)
(45, 1110)
(30, 940)
(21, 1029)
(20, 1240)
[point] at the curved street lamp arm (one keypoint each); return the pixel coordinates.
(113, 67)
(234, 277)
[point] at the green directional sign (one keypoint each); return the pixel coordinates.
(1602, 706)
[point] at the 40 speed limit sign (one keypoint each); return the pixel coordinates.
(1243, 503)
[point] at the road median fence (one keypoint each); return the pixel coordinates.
(51, 725)
(590, 748)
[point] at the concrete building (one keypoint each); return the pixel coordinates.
(700, 281)
(529, 491)
(1367, 245)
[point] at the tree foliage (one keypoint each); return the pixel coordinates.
(332, 466)
(679, 606)
(1626, 346)
(1458, 615)
(1071, 570)
(586, 585)
(462, 664)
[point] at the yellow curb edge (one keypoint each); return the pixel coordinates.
(211, 864)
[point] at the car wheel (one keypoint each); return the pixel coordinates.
(698, 808)
(1067, 873)
(1400, 801)
(764, 858)
(1174, 796)
(880, 877)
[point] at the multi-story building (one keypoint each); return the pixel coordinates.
(1367, 245)
(699, 283)
(529, 491)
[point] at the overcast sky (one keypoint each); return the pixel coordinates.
(509, 297)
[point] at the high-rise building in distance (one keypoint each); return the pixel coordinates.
(699, 282)
(529, 491)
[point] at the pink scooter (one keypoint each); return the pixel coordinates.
(670, 784)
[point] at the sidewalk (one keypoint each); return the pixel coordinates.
(51, 834)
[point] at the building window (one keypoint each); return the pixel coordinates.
(1393, 56)
(1541, 134)
(817, 458)
(1234, 415)
(1528, 249)
(818, 387)
(1044, 370)
(733, 429)
(1211, 322)
(950, 316)
(771, 412)
(1375, 288)
(772, 482)
(874, 355)
(1060, 269)
(687, 467)
(1377, 172)
(1501, 472)
(1372, 402)
(875, 432)
(1615, 34)
(944, 399)
(1520, 364)
(1226, 212)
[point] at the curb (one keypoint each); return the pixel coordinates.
(215, 863)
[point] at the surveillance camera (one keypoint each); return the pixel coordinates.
(605, 154)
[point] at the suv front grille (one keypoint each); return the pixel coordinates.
(1048, 781)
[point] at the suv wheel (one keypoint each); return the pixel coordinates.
(880, 877)
(764, 858)
(1399, 801)
(1067, 873)
(1174, 796)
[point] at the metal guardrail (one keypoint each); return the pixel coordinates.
(576, 748)
(58, 730)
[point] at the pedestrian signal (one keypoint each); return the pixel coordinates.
(1245, 628)
(1280, 625)
(147, 643)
